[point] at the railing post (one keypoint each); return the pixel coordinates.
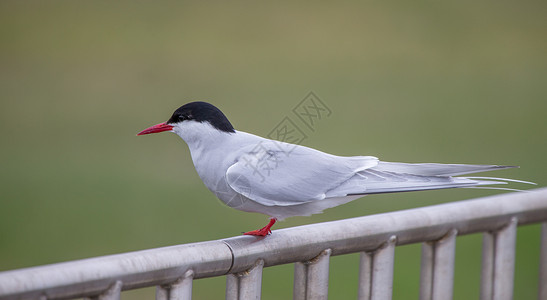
(498, 263)
(376, 272)
(542, 290)
(245, 285)
(179, 290)
(311, 278)
(437, 269)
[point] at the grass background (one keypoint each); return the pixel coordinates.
(454, 82)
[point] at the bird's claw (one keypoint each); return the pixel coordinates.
(264, 231)
(260, 232)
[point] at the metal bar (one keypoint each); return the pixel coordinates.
(182, 288)
(437, 270)
(504, 263)
(89, 277)
(382, 271)
(487, 268)
(250, 283)
(317, 285)
(365, 276)
(427, 270)
(178, 290)
(376, 272)
(245, 285)
(311, 278)
(498, 264)
(299, 282)
(162, 292)
(542, 290)
(113, 293)
(232, 287)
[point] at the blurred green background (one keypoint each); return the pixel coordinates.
(454, 82)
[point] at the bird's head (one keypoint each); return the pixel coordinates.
(191, 119)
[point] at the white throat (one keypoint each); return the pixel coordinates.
(199, 135)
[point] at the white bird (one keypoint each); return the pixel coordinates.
(281, 180)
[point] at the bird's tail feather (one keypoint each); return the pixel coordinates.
(374, 181)
(498, 179)
(482, 181)
(435, 169)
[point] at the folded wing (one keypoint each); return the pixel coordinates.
(279, 174)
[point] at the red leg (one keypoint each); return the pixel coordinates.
(264, 231)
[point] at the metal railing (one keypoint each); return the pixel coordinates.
(241, 259)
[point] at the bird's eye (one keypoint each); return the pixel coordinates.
(184, 117)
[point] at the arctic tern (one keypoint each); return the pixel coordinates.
(281, 180)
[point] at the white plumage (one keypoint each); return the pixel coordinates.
(281, 180)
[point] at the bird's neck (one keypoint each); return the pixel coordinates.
(201, 136)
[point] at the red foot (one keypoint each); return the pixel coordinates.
(263, 231)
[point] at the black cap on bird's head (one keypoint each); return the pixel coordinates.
(194, 111)
(202, 112)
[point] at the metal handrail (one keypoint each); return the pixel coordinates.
(173, 268)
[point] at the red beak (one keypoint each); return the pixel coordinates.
(156, 128)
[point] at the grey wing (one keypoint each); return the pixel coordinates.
(275, 173)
